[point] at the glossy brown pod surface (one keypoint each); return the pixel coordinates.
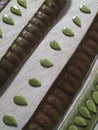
(29, 39)
(68, 82)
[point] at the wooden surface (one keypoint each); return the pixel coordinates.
(32, 67)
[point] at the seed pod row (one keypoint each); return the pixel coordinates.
(29, 39)
(66, 85)
(84, 113)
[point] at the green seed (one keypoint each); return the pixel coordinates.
(77, 21)
(80, 121)
(7, 19)
(68, 32)
(97, 87)
(10, 120)
(85, 9)
(84, 112)
(95, 97)
(34, 82)
(23, 3)
(20, 100)
(55, 45)
(72, 127)
(15, 10)
(0, 33)
(46, 63)
(91, 106)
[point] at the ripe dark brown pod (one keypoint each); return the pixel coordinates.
(29, 38)
(69, 80)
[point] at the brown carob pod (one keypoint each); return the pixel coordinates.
(51, 112)
(47, 123)
(35, 126)
(3, 3)
(56, 103)
(68, 82)
(29, 39)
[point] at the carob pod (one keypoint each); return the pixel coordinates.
(29, 39)
(66, 85)
(3, 3)
(84, 112)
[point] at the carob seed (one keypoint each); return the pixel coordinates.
(55, 45)
(68, 32)
(0, 33)
(97, 87)
(34, 82)
(84, 112)
(10, 120)
(79, 121)
(46, 63)
(8, 19)
(91, 106)
(95, 97)
(77, 21)
(15, 10)
(73, 127)
(85, 9)
(20, 100)
(23, 3)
